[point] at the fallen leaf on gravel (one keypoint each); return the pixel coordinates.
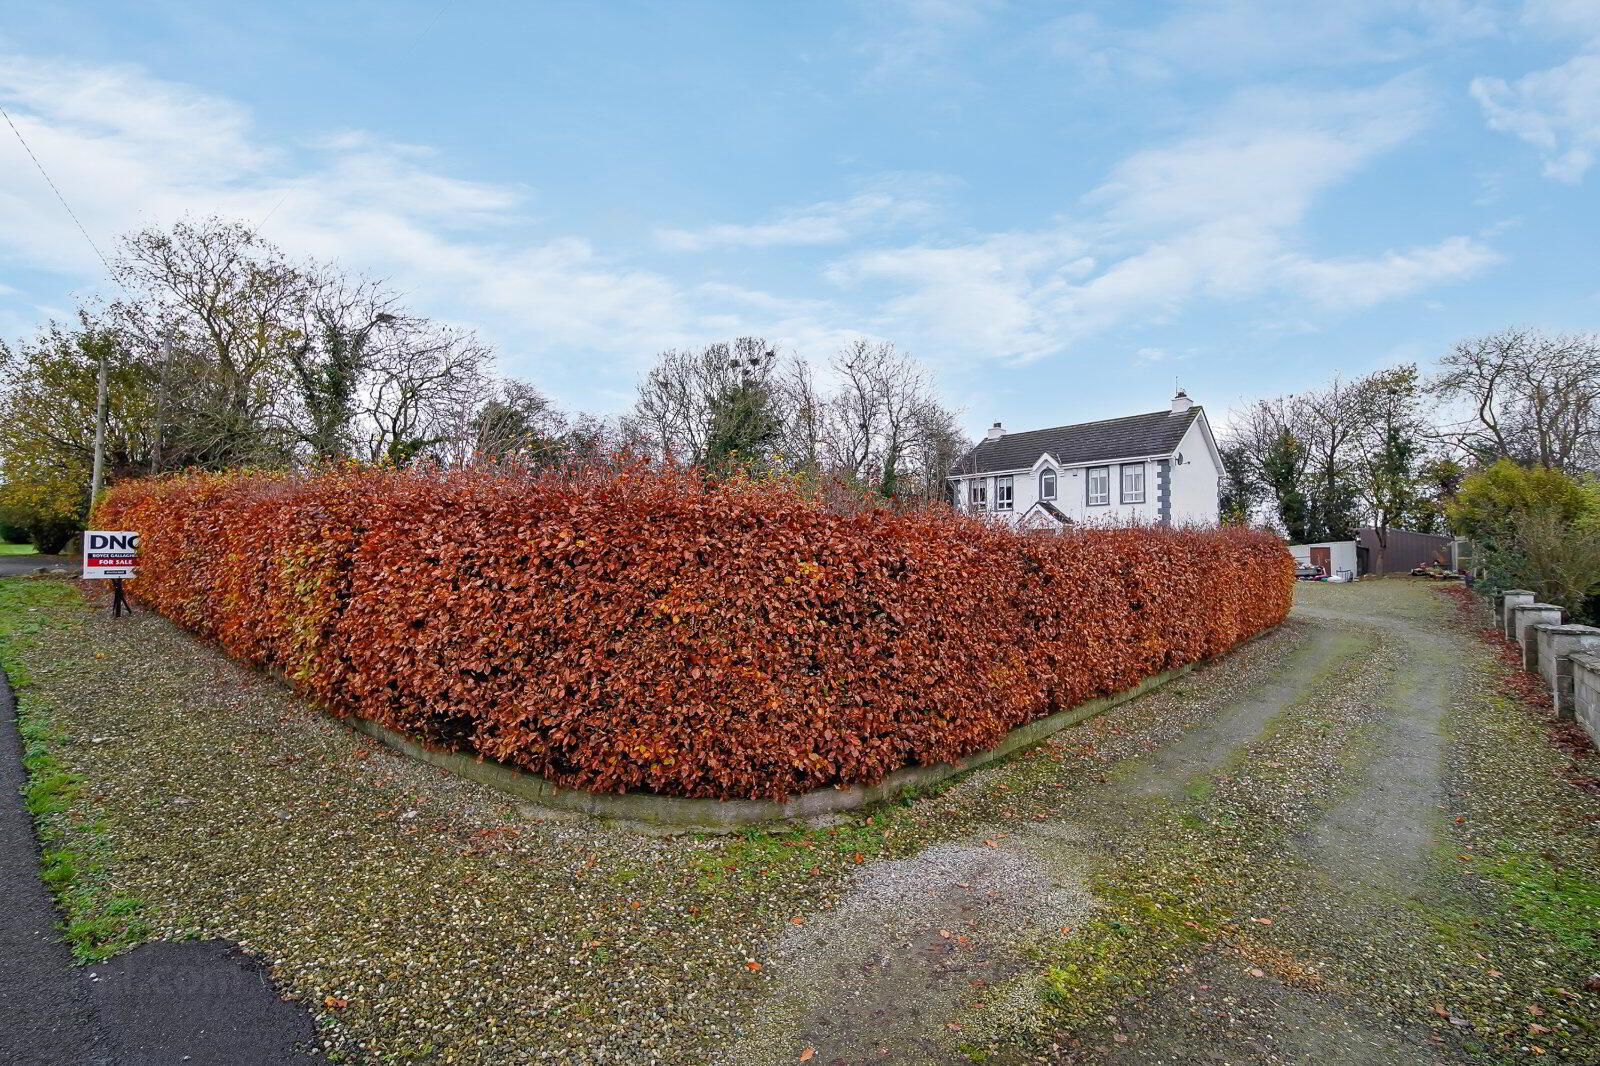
(859, 857)
(990, 844)
(805, 1056)
(753, 965)
(1258, 973)
(797, 921)
(335, 1002)
(945, 933)
(1535, 1010)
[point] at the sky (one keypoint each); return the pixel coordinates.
(1062, 208)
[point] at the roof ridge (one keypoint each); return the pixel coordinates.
(1145, 434)
(1094, 422)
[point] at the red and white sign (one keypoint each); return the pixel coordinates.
(109, 553)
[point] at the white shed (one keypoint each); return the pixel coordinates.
(1334, 556)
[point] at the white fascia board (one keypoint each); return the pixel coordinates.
(1066, 466)
(1211, 441)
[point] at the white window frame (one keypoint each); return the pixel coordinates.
(1047, 477)
(978, 494)
(1132, 468)
(1103, 474)
(1005, 496)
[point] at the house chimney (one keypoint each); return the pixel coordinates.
(996, 431)
(1181, 402)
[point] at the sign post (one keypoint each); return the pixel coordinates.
(111, 555)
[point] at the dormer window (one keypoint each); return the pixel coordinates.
(1047, 484)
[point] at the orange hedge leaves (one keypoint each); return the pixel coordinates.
(642, 630)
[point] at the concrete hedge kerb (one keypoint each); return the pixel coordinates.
(721, 816)
(644, 630)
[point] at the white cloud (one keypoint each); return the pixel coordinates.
(1214, 215)
(129, 150)
(1556, 110)
(912, 36)
(1356, 282)
(1230, 36)
(888, 202)
(1211, 216)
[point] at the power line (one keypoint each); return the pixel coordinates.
(46, 174)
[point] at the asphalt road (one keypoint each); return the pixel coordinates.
(20, 565)
(191, 1003)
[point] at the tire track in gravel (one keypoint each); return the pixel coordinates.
(1367, 848)
(1209, 747)
(914, 940)
(1379, 833)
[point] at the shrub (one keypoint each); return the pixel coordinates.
(644, 629)
(51, 535)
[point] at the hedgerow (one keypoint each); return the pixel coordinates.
(645, 629)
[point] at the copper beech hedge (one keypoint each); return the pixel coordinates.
(642, 629)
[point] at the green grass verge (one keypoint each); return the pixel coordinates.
(18, 549)
(74, 847)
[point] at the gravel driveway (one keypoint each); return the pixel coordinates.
(1345, 842)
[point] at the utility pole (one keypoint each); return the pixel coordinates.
(161, 400)
(99, 434)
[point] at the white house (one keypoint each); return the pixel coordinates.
(1158, 467)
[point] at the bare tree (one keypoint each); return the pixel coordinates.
(678, 400)
(883, 423)
(1390, 449)
(1527, 396)
(417, 388)
(230, 306)
(1299, 452)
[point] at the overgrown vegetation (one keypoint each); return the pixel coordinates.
(1534, 528)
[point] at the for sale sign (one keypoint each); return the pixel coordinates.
(107, 553)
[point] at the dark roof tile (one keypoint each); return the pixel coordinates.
(1157, 433)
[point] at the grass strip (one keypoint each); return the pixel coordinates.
(74, 847)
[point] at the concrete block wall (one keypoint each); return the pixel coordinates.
(1555, 643)
(1529, 618)
(1586, 692)
(1567, 657)
(1509, 600)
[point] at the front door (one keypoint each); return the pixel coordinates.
(1323, 557)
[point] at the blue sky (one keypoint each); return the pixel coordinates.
(1060, 206)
